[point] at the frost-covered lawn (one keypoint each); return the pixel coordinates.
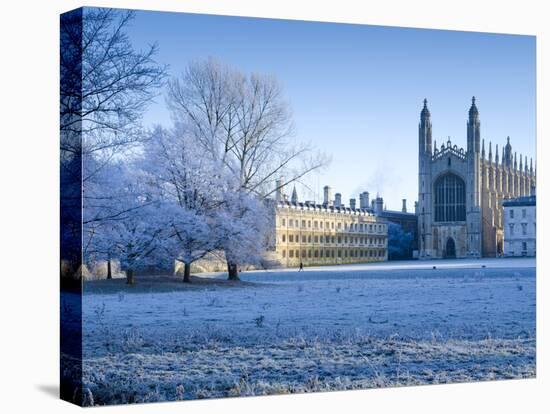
(321, 329)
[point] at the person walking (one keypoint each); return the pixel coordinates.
(301, 269)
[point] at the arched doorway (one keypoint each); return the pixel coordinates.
(450, 249)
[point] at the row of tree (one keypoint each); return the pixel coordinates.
(400, 242)
(149, 197)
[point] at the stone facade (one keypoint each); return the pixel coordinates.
(323, 234)
(520, 226)
(460, 192)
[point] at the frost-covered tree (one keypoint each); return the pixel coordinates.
(135, 234)
(189, 238)
(190, 187)
(106, 85)
(242, 230)
(135, 240)
(244, 122)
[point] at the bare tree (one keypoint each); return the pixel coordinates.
(245, 122)
(106, 85)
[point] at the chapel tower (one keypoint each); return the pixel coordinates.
(425, 180)
(473, 182)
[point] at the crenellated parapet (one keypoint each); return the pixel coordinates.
(448, 149)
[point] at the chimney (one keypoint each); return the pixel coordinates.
(364, 200)
(378, 205)
(279, 190)
(327, 196)
(404, 209)
(337, 200)
(352, 203)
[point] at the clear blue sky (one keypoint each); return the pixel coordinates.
(356, 91)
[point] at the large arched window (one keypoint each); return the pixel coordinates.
(449, 198)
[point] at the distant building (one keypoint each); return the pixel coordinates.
(327, 233)
(520, 226)
(460, 192)
(408, 223)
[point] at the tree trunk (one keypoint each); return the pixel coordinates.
(232, 270)
(130, 277)
(109, 271)
(187, 273)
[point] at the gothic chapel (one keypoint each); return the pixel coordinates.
(460, 192)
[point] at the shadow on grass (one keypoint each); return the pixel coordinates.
(161, 283)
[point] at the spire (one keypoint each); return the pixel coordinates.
(490, 151)
(483, 149)
(294, 197)
(531, 167)
(473, 129)
(515, 161)
(435, 145)
(507, 153)
(496, 154)
(425, 111)
(473, 109)
(425, 131)
(520, 162)
(525, 165)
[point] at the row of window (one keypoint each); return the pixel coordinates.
(332, 239)
(332, 253)
(330, 225)
(523, 250)
(524, 227)
(523, 213)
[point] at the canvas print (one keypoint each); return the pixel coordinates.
(260, 206)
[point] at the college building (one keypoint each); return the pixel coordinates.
(520, 226)
(327, 233)
(461, 192)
